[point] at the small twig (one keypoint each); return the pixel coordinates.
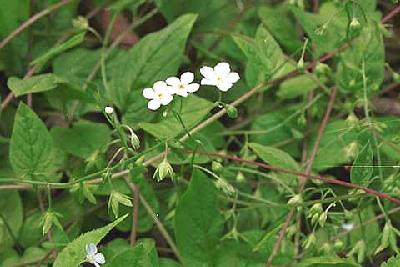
(158, 223)
(32, 20)
(391, 14)
(135, 214)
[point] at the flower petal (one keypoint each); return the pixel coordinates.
(160, 86)
(96, 264)
(91, 249)
(166, 99)
(222, 69)
(206, 81)
(232, 77)
(173, 81)
(187, 77)
(148, 93)
(181, 92)
(208, 73)
(154, 104)
(224, 86)
(99, 258)
(193, 87)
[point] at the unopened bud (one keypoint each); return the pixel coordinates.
(80, 23)
(354, 24)
(216, 167)
(163, 170)
(231, 111)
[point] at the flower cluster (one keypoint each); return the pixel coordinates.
(162, 92)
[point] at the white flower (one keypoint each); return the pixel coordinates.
(219, 76)
(160, 94)
(184, 85)
(93, 256)
(109, 110)
(347, 226)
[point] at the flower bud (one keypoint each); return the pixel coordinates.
(231, 111)
(216, 167)
(80, 23)
(117, 198)
(163, 170)
(135, 141)
(310, 241)
(49, 219)
(322, 69)
(296, 199)
(396, 77)
(338, 244)
(354, 24)
(240, 177)
(109, 110)
(351, 150)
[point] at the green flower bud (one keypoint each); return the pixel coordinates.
(163, 170)
(296, 200)
(396, 77)
(322, 69)
(354, 24)
(338, 244)
(231, 111)
(226, 187)
(216, 166)
(49, 219)
(80, 23)
(240, 177)
(310, 241)
(300, 64)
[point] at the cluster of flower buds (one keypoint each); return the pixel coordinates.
(162, 92)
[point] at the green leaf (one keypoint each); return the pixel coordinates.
(362, 169)
(392, 262)
(11, 216)
(194, 109)
(277, 158)
(85, 139)
(70, 43)
(157, 56)
(296, 87)
(35, 84)
(264, 55)
(278, 21)
(212, 14)
(31, 146)
(144, 253)
(368, 51)
(75, 252)
(198, 223)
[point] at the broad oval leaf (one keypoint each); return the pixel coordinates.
(35, 84)
(31, 146)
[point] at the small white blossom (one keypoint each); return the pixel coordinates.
(184, 85)
(219, 76)
(160, 94)
(109, 110)
(347, 226)
(93, 256)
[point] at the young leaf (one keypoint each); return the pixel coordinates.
(31, 146)
(362, 169)
(157, 56)
(35, 84)
(75, 252)
(198, 223)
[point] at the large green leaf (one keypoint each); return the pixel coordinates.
(392, 262)
(75, 252)
(264, 55)
(198, 223)
(157, 56)
(11, 217)
(31, 146)
(35, 84)
(277, 158)
(212, 14)
(194, 109)
(84, 139)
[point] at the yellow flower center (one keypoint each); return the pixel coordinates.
(159, 95)
(181, 86)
